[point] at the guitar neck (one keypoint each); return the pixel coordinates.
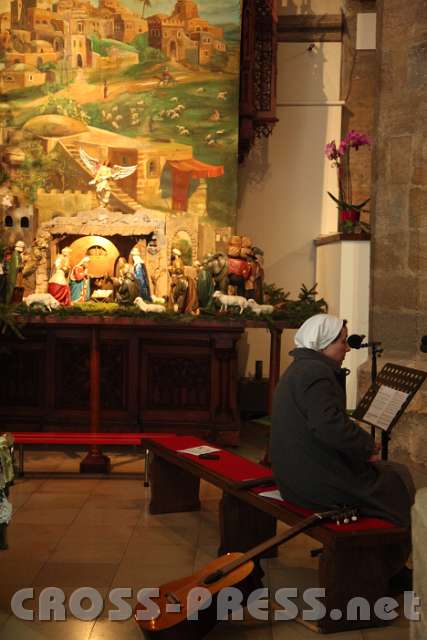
(272, 542)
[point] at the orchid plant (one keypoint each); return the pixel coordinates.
(340, 157)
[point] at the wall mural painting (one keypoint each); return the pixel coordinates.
(118, 131)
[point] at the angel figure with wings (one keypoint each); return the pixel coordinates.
(103, 173)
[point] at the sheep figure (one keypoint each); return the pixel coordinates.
(45, 300)
(149, 307)
(230, 301)
(259, 308)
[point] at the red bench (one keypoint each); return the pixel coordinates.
(351, 559)
(22, 438)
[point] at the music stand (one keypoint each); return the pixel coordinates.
(399, 378)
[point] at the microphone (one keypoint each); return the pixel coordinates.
(356, 342)
(423, 345)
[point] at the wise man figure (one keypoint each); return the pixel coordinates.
(15, 282)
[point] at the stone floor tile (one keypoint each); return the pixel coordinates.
(25, 485)
(292, 630)
(45, 516)
(204, 555)
(121, 487)
(185, 519)
(44, 537)
(92, 532)
(102, 550)
(239, 631)
(113, 501)
(69, 485)
(107, 630)
(4, 615)
(92, 516)
(15, 629)
(46, 500)
(18, 500)
(179, 536)
(75, 574)
(159, 554)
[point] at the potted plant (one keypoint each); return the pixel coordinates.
(349, 213)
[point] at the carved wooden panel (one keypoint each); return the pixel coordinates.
(178, 381)
(72, 380)
(152, 377)
(22, 368)
(114, 378)
(258, 68)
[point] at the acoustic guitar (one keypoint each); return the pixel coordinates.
(184, 614)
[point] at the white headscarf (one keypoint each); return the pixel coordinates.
(318, 332)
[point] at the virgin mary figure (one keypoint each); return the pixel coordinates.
(79, 281)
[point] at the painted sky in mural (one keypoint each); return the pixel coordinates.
(150, 84)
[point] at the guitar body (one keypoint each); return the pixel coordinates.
(177, 626)
(176, 602)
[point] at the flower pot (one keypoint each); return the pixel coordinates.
(349, 220)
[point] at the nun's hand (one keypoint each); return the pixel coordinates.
(375, 456)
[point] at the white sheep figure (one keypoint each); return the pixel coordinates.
(149, 307)
(230, 301)
(42, 300)
(259, 308)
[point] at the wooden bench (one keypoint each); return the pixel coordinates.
(63, 438)
(351, 558)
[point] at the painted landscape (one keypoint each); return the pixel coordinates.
(151, 84)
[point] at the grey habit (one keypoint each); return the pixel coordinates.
(320, 457)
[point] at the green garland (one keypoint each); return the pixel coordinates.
(292, 312)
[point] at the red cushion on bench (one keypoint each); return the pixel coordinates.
(229, 465)
(236, 468)
(363, 523)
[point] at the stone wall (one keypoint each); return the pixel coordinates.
(358, 81)
(419, 536)
(399, 244)
(64, 203)
(399, 298)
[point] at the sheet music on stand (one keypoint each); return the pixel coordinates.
(386, 400)
(385, 406)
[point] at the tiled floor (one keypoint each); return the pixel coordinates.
(73, 532)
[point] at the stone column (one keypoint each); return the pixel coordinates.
(419, 536)
(399, 242)
(358, 92)
(399, 284)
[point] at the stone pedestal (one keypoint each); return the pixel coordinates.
(419, 536)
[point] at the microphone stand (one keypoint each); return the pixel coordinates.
(375, 352)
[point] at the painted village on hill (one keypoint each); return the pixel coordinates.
(118, 127)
